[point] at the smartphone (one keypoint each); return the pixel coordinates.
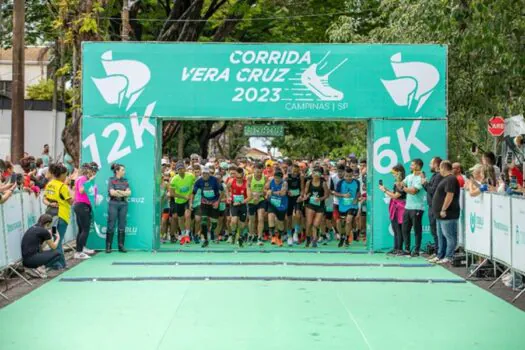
(513, 182)
(380, 182)
(54, 230)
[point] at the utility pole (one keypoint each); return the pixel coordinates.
(125, 20)
(17, 102)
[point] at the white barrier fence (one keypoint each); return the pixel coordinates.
(494, 228)
(17, 215)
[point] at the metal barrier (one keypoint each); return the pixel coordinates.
(17, 215)
(494, 229)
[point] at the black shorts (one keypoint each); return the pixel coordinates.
(329, 215)
(292, 205)
(196, 212)
(279, 214)
(254, 208)
(349, 212)
(179, 208)
(239, 211)
(207, 210)
(317, 208)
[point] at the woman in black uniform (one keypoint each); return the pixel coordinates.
(119, 192)
(293, 216)
(315, 194)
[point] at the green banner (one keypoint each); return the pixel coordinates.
(399, 141)
(283, 81)
(130, 142)
(264, 130)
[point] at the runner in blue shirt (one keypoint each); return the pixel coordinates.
(210, 190)
(348, 193)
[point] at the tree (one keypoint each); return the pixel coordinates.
(486, 64)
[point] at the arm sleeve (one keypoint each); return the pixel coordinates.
(111, 186)
(64, 192)
(451, 185)
(417, 183)
(197, 186)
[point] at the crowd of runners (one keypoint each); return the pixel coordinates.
(263, 202)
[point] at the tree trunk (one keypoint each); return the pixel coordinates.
(125, 20)
(17, 105)
(180, 145)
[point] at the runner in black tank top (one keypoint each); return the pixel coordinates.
(315, 195)
(293, 218)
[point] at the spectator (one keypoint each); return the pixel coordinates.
(7, 172)
(445, 205)
(516, 172)
(430, 188)
(33, 256)
(458, 171)
(396, 207)
(45, 156)
(83, 209)
(489, 159)
(415, 206)
(58, 196)
(475, 183)
(68, 162)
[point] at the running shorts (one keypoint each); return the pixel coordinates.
(207, 210)
(254, 208)
(279, 214)
(239, 211)
(350, 212)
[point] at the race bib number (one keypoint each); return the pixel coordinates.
(347, 201)
(238, 198)
(276, 201)
(208, 193)
(184, 189)
(222, 206)
(329, 207)
(315, 200)
(295, 193)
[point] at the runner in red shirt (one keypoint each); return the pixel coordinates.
(239, 195)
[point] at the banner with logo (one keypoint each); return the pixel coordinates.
(288, 81)
(399, 141)
(501, 229)
(461, 221)
(14, 227)
(3, 251)
(478, 218)
(518, 234)
(131, 142)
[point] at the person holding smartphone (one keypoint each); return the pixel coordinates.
(396, 208)
(33, 256)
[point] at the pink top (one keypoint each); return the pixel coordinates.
(81, 197)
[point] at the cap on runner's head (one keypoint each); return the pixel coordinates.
(164, 162)
(195, 156)
(179, 166)
(278, 173)
(206, 169)
(224, 165)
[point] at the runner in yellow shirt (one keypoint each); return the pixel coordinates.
(181, 188)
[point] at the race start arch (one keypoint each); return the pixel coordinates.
(128, 89)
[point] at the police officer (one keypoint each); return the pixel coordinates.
(119, 192)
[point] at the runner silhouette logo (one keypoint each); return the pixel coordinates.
(126, 80)
(318, 84)
(415, 82)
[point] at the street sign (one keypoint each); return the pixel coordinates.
(496, 126)
(264, 130)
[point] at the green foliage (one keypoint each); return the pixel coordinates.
(41, 91)
(316, 139)
(486, 64)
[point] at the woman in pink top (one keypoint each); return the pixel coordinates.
(82, 208)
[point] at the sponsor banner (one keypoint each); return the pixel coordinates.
(3, 249)
(130, 142)
(393, 142)
(478, 225)
(501, 228)
(461, 221)
(31, 210)
(289, 81)
(14, 227)
(518, 233)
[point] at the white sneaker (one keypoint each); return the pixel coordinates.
(230, 239)
(81, 256)
(444, 261)
(88, 251)
(295, 238)
(290, 241)
(433, 260)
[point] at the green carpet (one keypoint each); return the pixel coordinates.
(355, 246)
(258, 315)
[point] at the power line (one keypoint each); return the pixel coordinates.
(234, 19)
